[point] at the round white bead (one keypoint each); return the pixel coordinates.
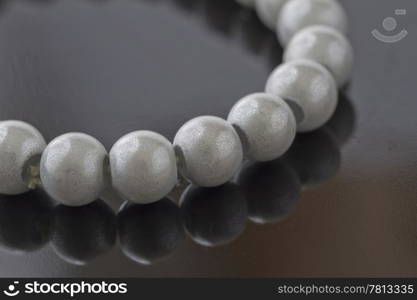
(265, 124)
(209, 151)
(326, 46)
(309, 88)
(247, 3)
(268, 11)
(298, 14)
(19, 142)
(143, 167)
(72, 169)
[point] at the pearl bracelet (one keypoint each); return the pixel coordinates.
(300, 95)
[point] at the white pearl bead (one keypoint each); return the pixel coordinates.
(326, 46)
(143, 166)
(19, 142)
(209, 151)
(268, 11)
(298, 14)
(309, 89)
(247, 3)
(265, 124)
(72, 169)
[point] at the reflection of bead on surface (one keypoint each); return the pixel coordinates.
(343, 123)
(271, 189)
(150, 232)
(93, 226)
(315, 156)
(214, 216)
(25, 222)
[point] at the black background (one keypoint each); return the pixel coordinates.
(110, 67)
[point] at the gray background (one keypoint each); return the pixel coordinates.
(109, 67)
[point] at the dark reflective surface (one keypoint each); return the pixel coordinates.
(315, 157)
(214, 216)
(341, 202)
(83, 233)
(25, 222)
(149, 233)
(272, 190)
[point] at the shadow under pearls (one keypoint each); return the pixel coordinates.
(343, 123)
(4, 3)
(315, 157)
(214, 216)
(151, 232)
(25, 222)
(230, 19)
(83, 233)
(221, 16)
(265, 193)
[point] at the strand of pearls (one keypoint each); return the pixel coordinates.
(300, 95)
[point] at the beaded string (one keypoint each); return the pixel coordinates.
(300, 96)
